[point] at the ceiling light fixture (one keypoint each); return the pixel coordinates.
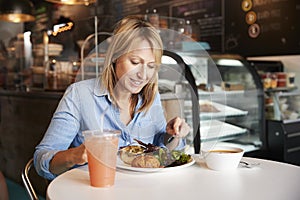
(16, 11)
(73, 2)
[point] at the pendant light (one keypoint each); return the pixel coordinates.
(16, 11)
(73, 2)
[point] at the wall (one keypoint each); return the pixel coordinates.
(262, 28)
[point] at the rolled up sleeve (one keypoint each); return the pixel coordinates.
(62, 130)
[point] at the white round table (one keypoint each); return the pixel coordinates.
(269, 180)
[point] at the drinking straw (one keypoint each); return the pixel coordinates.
(102, 119)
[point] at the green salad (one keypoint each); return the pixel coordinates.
(171, 158)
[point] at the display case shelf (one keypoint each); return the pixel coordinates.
(218, 130)
(170, 96)
(220, 92)
(221, 111)
(279, 89)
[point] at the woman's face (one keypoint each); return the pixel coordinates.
(136, 68)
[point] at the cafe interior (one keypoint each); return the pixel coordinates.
(238, 85)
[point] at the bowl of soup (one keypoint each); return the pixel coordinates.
(221, 158)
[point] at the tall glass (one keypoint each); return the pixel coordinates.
(102, 148)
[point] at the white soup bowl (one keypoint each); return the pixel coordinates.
(221, 158)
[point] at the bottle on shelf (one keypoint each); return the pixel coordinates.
(181, 26)
(188, 30)
(52, 75)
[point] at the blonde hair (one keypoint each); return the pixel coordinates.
(126, 32)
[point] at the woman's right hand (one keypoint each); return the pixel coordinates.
(79, 155)
(64, 160)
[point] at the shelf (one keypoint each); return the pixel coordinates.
(287, 94)
(286, 121)
(278, 89)
(171, 96)
(233, 92)
(223, 111)
(218, 130)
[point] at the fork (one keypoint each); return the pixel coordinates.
(248, 165)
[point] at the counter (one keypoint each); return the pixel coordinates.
(33, 94)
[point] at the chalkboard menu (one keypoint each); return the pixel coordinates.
(262, 27)
(207, 17)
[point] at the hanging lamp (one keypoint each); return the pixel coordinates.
(73, 2)
(16, 11)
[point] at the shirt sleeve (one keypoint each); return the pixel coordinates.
(62, 130)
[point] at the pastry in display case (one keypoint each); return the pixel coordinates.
(280, 99)
(286, 106)
(279, 89)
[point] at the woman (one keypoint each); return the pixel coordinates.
(126, 93)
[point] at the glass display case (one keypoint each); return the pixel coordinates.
(244, 92)
(283, 125)
(282, 111)
(286, 105)
(230, 99)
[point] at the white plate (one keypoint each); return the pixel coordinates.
(122, 165)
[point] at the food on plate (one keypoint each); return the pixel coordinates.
(145, 161)
(207, 107)
(151, 156)
(181, 159)
(148, 147)
(128, 153)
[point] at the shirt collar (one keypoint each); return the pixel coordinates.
(98, 90)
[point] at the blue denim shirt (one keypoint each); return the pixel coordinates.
(80, 109)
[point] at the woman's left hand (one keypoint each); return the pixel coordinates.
(177, 127)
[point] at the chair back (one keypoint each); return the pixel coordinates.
(27, 181)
